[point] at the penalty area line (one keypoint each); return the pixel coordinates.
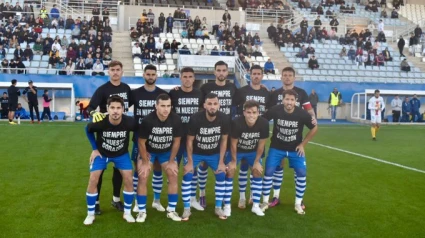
(368, 157)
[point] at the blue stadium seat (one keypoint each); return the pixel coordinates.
(45, 58)
(42, 71)
(36, 58)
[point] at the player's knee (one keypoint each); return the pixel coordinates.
(301, 172)
(256, 173)
(269, 171)
(220, 176)
(230, 173)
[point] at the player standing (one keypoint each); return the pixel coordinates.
(248, 139)
(99, 99)
(225, 92)
(376, 106)
(110, 145)
(253, 91)
(186, 101)
(14, 93)
(159, 140)
(144, 99)
(206, 142)
(287, 141)
(31, 99)
(276, 98)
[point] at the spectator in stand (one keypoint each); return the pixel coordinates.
(80, 67)
(19, 53)
(98, 69)
(387, 55)
(170, 22)
(271, 31)
(32, 36)
(394, 14)
(415, 105)
(70, 67)
(62, 52)
(245, 64)
(313, 63)
(166, 74)
(418, 33)
(379, 59)
(404, 66)
(400, 44)
(406, 110)
(75, 34)
(343, 52)
(317, 24)
(303, 53)
(381, 37)
(175, 46)
(28, 54)
(20, 66)
(396, 105)
(71, 54)
(161, 22)
(96, 12)
(351, 54)
(384, 13)
(381, 25)
(60, 66)
(310, 50)
(146, 56)
(313, 98)
(136, 50)
(161, 58)
(150, 46)
(4, 66)
(269, 67)
(412, 43)
(2, 52)
(89, 61)
(202, 51)
(227, 18)
(215, 51)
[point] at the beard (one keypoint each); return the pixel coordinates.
(212, 114)
(221, 79)
(150, 82)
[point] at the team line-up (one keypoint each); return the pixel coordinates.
(196, 125)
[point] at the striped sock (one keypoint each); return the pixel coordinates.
(186, 189)
(193, 185)
(172, 202)
(277, 181)
(157, 184)
(228, 190)
(128, 201)
(256, 187)
(91, 202)
(135, 181)
(267, 186)
(202, 179)
(243, 177)
(300, 186)
(141, 202)
(219, 189)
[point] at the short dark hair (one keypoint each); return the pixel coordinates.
(46, 90)
(115, 98)
(14, 81)
(187, 70)
(163, 97)
(219, 63)
(77, 102)
(114, 63)
(256, 66)
(149, 67)
(288, 69)
(290, 92)
(211, 96)
(5, 93)
(250, 104)
(377, 91)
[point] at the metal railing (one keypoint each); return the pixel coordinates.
(268, 15)
(172, 5)
(407, 30)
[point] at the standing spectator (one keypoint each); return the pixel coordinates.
(314, 100)
(170, 21)
(105, 13)
(415, 104)
(227, 18)
(334, 24)
(161, 22)
(400, 45)
(54, 12)
(380, 25)
(269, 67)
(412, 43)
(304, 26)
(46, 106)
(335, 99)
(396, 105)
(151, 17)
(406, 110)
(418, 33)
(317, 24)
(31, 99)
(312, 63)
(98, 69)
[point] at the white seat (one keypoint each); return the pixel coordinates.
(137, 66)
(35, 64)
(137, 60)
(139, 74)
(169, 35)
(162, 35)
(169, 62)
(192, 41)
(163, 67)
(200, 41)
(42, 71)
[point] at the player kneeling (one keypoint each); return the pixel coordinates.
(110, 145)
(248, 138)
(159, 140)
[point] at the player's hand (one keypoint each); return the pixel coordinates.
(257, 166)
(94, 154)
(300, 150)
(221, 167)
(97, 116)
(143, 169)
(231, 167)
(172, 165)
(314, 121)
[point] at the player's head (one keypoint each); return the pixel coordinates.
(4, 94)
(46, 91)
(163, 105)
(187, 77)
(14, 81)
(406, 99)
(115, 71)
(335, 90)
(414, 96)
(30, 82)
(211, 104)
(19, 105)
(256, 74)
(396, 96)
(377, 92)
(221, 71)
(77, 103)
(251, 111)
(115, 107)
(289, 99)
(149, 74)
(288, 76)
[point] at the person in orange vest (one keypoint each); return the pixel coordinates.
(83, 104)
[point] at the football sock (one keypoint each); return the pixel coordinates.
(202, 179)
(256, 190)
(219, 189)
(187, 189)
(128, 201)
(91, 202)
(243, 177)
(141, 203)
(300, 185)
(228, 190)
(172, 202)
(157, 184)
(277, 181)
(135, 181)
(193, 185)
(116, 199)
(372, 130)
(99, 185)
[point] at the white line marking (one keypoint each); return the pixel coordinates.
(368, 157)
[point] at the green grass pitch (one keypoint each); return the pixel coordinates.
(44, 175)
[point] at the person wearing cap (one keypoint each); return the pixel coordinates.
(30, 96)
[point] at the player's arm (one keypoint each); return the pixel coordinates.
(313, 129)
(90, 130)
(24, 94)
(371, 105)
(143, 164)
(223, 148)
(93, 104)
(260, 150)
(33, 90)
(189, 149)
(383, 104)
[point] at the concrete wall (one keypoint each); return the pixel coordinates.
(420, 2)
(129, 14)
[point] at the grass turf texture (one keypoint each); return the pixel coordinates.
(44, 175)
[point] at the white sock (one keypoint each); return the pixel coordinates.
(242, 196)
(298, 201)
(116, 199)
(266, 198)
(227, 205)
(202, 192)
(276, 193)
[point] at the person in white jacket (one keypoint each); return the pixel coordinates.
(63, 52)
(396, 105)
(376, 106)
(136, 50)
(56, 45)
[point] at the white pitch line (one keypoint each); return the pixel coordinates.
(369, 157)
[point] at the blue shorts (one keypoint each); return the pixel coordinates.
(122, 162)
(249, 157)
(275, 157)
(161, 157)
(209, 160)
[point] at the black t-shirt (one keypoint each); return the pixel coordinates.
(248, 93)
(249, 137)
(160, 134)
(4, 102)
(13, 93)
(207, 134)
(102, 94)
(32, 97)
(276, 97)
(186, 104)
(288, 128)
(226, 95)
(112, 141)
(144, 102)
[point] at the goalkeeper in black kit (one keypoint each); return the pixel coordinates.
(99, 99)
